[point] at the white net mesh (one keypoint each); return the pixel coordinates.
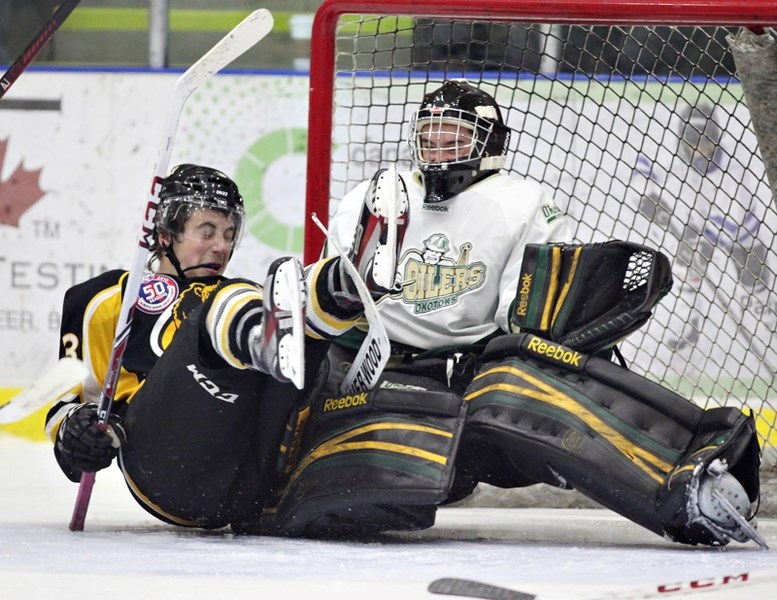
(641, 133)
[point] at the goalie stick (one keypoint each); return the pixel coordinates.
(376, 348)
(61, 378)
(244, 36)
(36, 45)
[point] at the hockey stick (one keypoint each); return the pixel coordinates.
(452, 586)
(244, 36)
(376, 348)
(61, 378)
(36, 45)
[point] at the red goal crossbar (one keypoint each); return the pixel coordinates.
(754, 14)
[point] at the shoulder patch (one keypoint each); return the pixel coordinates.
(157, 292)
(551, 212)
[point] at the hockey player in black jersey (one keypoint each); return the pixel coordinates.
(213, 366)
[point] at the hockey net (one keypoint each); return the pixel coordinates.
(630, 113)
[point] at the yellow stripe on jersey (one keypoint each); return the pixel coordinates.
(229, 300)
(97, 337)
(155, 508)
(321, 323)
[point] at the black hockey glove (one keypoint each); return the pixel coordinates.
(82, 447)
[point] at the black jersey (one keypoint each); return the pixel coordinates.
(90, 313)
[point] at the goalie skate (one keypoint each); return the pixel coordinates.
(380, 231)
(278, 344)
(724, 502)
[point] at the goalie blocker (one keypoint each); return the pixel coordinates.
(540, 412)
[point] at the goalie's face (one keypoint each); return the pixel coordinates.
(204, 246)
(445, 141)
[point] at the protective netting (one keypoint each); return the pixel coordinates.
(641, 133)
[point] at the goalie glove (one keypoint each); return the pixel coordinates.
(82, 447)
(589, 296)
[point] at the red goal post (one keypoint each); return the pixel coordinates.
(606, 98)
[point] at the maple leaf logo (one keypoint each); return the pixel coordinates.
(19, 192)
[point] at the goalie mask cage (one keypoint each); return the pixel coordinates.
(629, 112)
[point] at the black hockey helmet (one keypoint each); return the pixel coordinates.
(189, 188)
(467, 108)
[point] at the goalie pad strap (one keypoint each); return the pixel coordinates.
(589, 296)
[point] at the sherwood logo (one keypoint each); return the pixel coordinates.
(333, 404)
(368, 368)
(523, 294)
(555, 352)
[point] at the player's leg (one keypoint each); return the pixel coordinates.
(193, 454)
(573, 420)
(251, 328)
(380, 230)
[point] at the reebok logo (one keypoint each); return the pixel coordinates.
(523, 294)
(333, 404)
(434, 208)
(554, 352)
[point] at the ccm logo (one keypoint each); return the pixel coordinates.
(211, 387)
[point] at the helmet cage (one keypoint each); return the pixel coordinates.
(480, 141)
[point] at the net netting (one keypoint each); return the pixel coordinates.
(640, 133)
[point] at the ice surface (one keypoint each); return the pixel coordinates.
(555, 553)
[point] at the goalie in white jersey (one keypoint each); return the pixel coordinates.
(461, 254)
(459, 258)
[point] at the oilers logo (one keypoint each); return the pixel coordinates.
(157, 292)
(433, 281)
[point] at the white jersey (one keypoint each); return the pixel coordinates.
(460, 259)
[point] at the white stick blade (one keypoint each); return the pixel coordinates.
(242, 38)
(62, 377)
(375, 350)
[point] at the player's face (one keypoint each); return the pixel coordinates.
(205, 243)
(442, 142)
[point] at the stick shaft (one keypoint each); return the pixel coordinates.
(36, 45)
(244, 36)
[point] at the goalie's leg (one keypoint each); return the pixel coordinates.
(572, 420)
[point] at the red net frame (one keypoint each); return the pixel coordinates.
(753, 14)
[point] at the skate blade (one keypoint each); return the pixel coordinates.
(734, 514)
(389, 206)
(289, 297)
(291, 359)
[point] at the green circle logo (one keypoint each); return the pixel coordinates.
(276, 161)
